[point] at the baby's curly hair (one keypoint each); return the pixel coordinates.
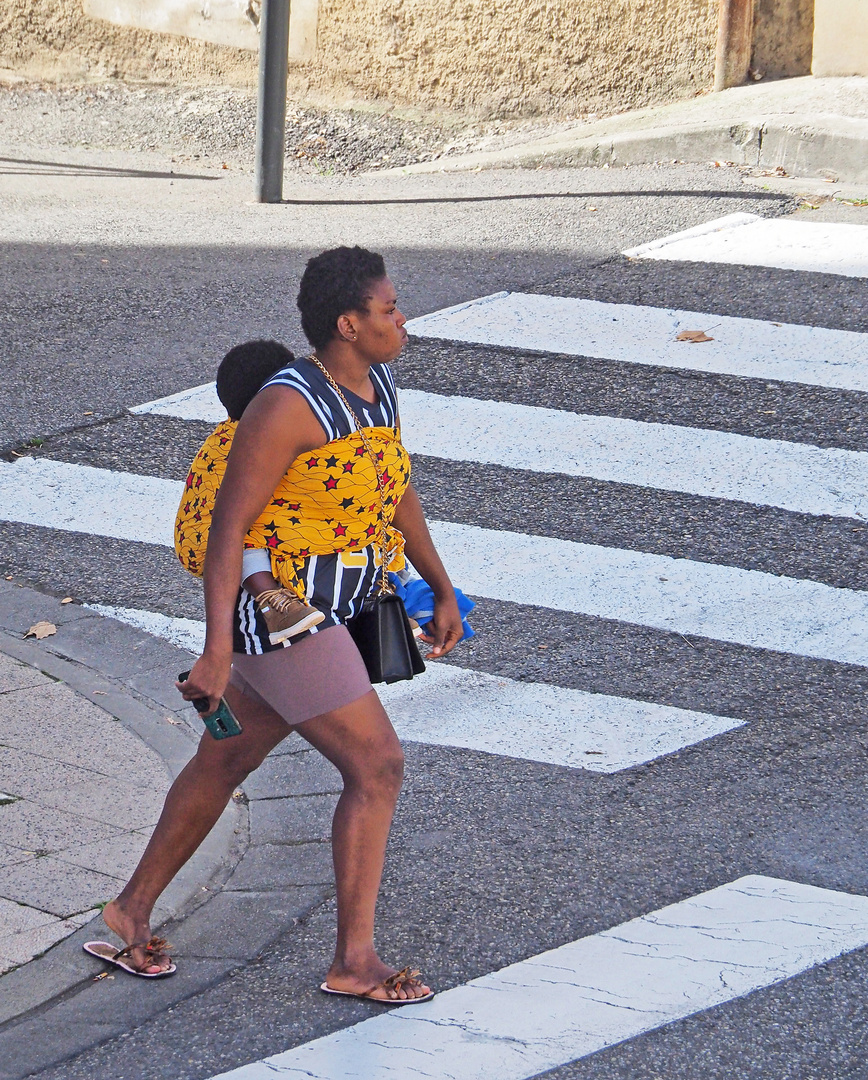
(333, 283)
(244, 369)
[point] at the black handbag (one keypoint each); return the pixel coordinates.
(381, 630)
(385, 640)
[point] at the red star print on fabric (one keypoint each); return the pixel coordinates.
(189, 480)
(348, 466)
(312, 462)
(330, 483)
(360, 451)
(272, 542)
(340, 530)
(370, 531)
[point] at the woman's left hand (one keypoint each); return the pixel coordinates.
(445, 630)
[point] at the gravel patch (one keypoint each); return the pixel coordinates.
(216, 126)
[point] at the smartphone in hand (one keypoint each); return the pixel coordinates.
(222, 723)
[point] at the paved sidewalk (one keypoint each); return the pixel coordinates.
(81, 794)
(808, 127)
(92, 731)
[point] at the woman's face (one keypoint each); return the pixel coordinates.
(380, 333)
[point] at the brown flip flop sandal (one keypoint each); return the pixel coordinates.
(103, 950)
(405, 977)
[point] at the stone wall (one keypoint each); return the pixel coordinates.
(491, 57)
(521, 56)
(55, 40)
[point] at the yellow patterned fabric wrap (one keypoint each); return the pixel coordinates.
(327, 501)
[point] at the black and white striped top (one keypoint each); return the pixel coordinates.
(336, 584)
(305, 377)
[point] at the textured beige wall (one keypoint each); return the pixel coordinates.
(520, 56)
(54, 39)
(508, 57)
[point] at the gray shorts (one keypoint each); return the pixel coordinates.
(316, 675)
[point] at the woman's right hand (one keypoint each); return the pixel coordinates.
(208, 678)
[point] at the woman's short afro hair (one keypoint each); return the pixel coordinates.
(333, 283)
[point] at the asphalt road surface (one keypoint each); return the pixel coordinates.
(665, 693)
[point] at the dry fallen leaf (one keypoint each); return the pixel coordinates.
(66, 600)
(694, 336)
(8, 577)
(41, 630)
(172, 720)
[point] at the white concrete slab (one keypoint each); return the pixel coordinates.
(767, 472)
(710, 600)
(750, 240)
(453, 706)
(647, 335)
(571, 1002)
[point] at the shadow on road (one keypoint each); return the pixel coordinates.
(19, 167)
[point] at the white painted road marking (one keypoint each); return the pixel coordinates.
(725, 603)
(750, 240)
(714, 464)
(453, 706)
(710, 600)
(197, 403)
(571, 1002)
(646, 335)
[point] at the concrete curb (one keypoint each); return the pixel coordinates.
(244, 887)
(838, 149)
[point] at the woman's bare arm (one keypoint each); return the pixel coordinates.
(277, 426)
(419, 546)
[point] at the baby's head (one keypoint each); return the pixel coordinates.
(244, 370)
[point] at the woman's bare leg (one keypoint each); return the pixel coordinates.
(360, 741)
(194, 803)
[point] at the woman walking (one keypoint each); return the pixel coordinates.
(299, 436)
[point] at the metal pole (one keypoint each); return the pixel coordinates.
(734, 43)
(271, 111)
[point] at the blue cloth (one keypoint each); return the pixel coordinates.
(418, 599)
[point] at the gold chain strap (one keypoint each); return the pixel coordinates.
(385, 587)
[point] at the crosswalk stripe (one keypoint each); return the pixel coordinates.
(746, 607)
(716, 464)
(647, 335)
(724, 603)
(751, 240)
(197, 403)
(573, 1001)
(453, 706)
